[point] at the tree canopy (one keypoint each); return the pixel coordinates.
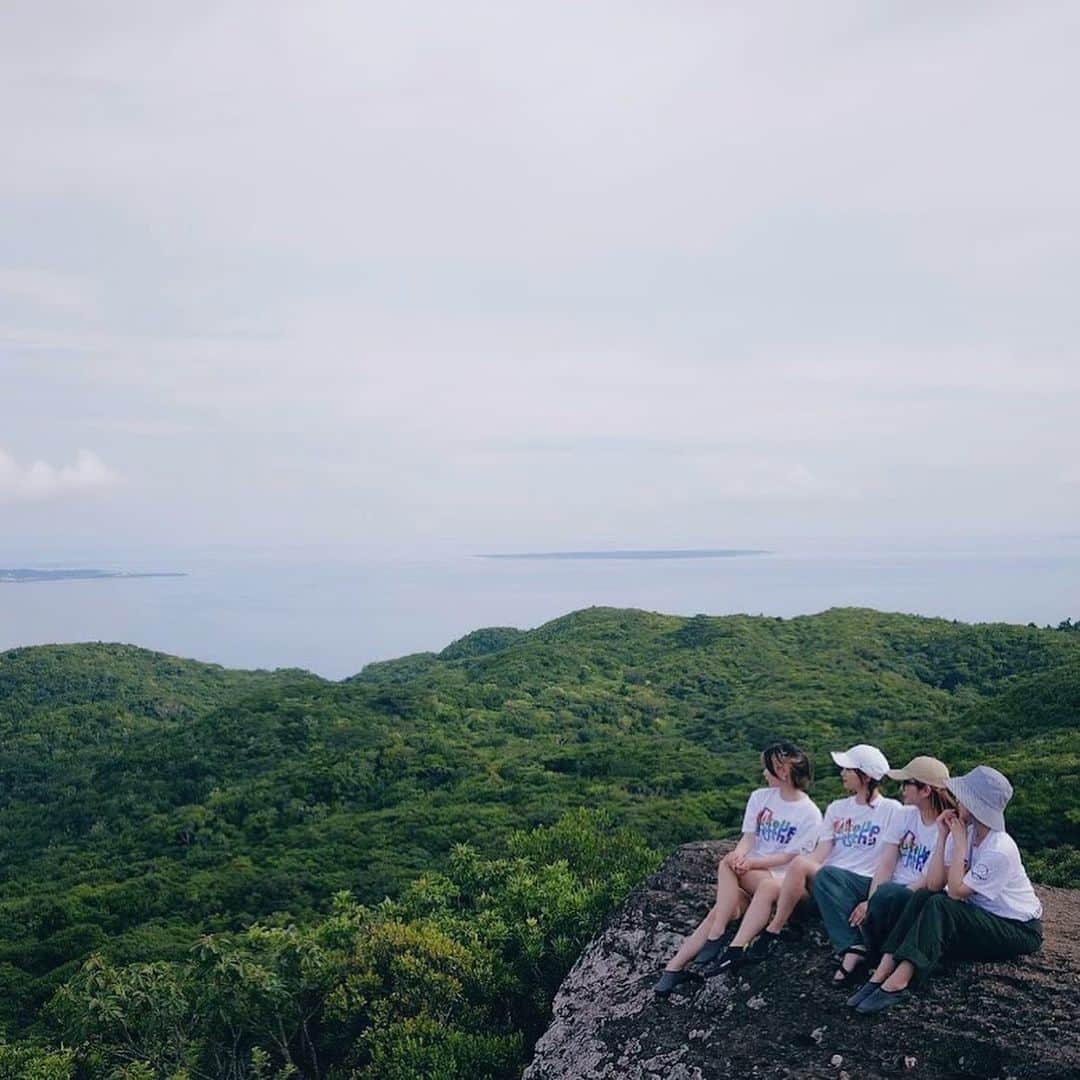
(169, 824)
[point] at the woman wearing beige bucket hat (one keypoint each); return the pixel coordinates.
(989, 910)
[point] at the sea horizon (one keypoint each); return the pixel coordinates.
(333, 616)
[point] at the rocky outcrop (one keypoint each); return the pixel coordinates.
(782, 1019)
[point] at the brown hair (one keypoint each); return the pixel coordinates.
(783, 752)
(941, 799)
(871, 784)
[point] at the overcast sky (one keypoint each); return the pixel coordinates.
(482, 276)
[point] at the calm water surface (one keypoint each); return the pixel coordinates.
(335, 616)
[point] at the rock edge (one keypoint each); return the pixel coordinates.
(782, 1019)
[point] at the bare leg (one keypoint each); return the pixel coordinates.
(886, 966)
(900, 978)
(730, 898)
(800, 873)
(766, 891)
(730, 901)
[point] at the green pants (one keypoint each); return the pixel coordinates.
(882, 913)
(932, 926)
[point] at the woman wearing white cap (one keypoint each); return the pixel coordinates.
(989, 910)
(851, 840)
(857, 930)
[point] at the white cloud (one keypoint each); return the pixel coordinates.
(55, 292)
(499, 267)
(39, 480)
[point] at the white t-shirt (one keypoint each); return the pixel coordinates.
(996, 874)
(780, 826)
(857, 831)
(915, 842)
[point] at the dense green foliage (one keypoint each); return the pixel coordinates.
(451, 979)
(147, 801)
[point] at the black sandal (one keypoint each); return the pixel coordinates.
(846, 978)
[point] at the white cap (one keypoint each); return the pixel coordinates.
(867, 759)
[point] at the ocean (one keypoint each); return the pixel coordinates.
(334, 615)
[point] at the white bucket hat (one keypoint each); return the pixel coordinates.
(985, 792)
(867, 759)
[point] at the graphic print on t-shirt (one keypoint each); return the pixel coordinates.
(780, 826)
(915, 840)
(855, 833)
(911, 854)
(770, 827)
(858, 832)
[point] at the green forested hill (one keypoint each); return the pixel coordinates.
(145, 800)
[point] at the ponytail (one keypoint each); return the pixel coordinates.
(801, 771)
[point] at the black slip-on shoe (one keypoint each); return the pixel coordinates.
(711, 950)
(862, 993)
(730, 960)
(880, 1000)
(762, 947)
(672, 980)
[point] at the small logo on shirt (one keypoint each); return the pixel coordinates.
(980, 871)
(770, 828)
(850, 834)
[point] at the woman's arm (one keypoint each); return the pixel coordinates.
(955, 886)
(736, 857)
(936, 874)
(766, 862)
(885, 867)
(882, 872)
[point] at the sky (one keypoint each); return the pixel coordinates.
(435, 277)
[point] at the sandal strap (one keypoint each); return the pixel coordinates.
(853, 950)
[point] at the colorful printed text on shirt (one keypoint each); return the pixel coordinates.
(770, 828)
(912, 854)
(852, 834)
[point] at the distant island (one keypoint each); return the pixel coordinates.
(23, 576)
(675, 553)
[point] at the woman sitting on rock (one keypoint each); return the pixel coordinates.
(858, 919)
(852, 839)
(989, 910)
(780, 822)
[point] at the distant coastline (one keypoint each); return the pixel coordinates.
(676, 553)
(23, 576)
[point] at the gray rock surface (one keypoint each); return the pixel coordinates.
(782, 1019)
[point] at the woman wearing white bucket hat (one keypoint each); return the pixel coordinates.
(850, 840)
(989, 911)
(910, 843)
